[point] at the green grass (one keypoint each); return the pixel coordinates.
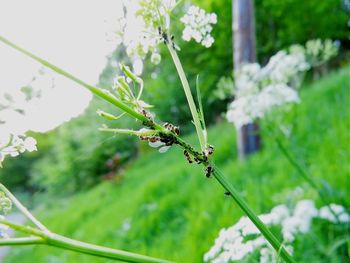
(174, 212)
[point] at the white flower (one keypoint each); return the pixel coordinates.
(156, 58)
(139, 32)
(327, 212)
(247, 108)
(318, 51)
(198, 26)
(258, 90)
(13, 145)
(232, 244)
(30, 144)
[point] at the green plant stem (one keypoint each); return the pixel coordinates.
(48, 238)
(295, 164)
(99, 251)
(86, 248)
(93, 89)
(21, 241)
(188, 94)
(305, 176)
(252, 216)
(22, 208)
(130, 132)
(43, 236)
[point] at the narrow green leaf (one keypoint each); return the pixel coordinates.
(201, 112)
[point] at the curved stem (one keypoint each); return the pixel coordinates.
(48, 238)
(277, 245)
(188, 94)
(93, 89)
(99, 251)
(22, 208)
(59, 241)
(305, 176)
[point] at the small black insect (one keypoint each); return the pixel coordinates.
(165, 37)
(208, 171)
(188, 157)
(227, 193)
(210, 149)
(172, 128)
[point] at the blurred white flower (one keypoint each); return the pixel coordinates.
(338, 210)
(318, 51)
(247, 108)
(30, 144)
(156, 58)
(260, 89)
(233, 245)
(139, 29)
(198, 26)
(13, 145)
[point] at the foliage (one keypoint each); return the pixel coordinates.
(258, 90)
(282, 23)
(165, 204)
(278, 25)
(80, 154)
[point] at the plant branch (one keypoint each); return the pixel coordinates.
(305, 176)
(99, 92)
(99, 251)
(21, 241)
(66, 243)
(48, 238)
(277, 245)
(22, 208)
(188, 94)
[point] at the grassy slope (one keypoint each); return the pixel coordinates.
(176, 213)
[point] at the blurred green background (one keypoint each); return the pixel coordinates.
(116, 191)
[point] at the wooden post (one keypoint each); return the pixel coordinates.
(243, 25)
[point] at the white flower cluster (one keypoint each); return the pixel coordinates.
(318, 52)
(258, 89)
(198, 26)
(233, 243)
(13, 145)
(139, 29)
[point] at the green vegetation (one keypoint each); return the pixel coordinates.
(164, 207)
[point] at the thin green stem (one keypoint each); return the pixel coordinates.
(99, 251)
(277, 245)
(44, 236)
(48, 238)
(305, 175)
(21, 241)
(130, 132)
(295, 164)
(93, 89)
(188, 94)
(66, 243)
(25, 229)
(22, 208)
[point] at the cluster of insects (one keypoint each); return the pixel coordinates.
(164, 37)
(174, 129)
(206, 153)
(147, 114)
(209, 170)
(167, 140)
